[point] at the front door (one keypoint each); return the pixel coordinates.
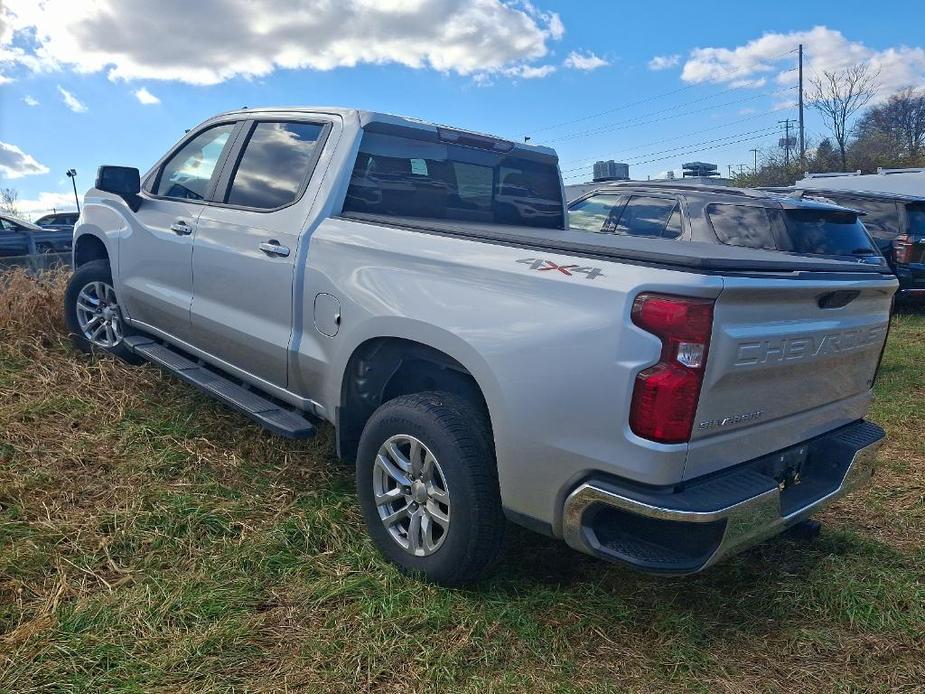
(155, 259)
(245, 250)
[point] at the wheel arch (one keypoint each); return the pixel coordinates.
(384, 367)
(89, 247)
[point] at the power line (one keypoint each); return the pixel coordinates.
(636, 122)
(693, 151)
(786, 122)
(631, 160)
(755, 116)
(662, 95)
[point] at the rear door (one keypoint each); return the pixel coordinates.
(652, 216)
(246, 247)
(155, 260)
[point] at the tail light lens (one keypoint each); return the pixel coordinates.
(902, 249)
(665, 395)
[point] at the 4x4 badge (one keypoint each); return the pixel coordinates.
(542, 265)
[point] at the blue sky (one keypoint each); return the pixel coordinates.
(654, 84)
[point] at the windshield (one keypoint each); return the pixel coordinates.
(805, 231)
(397, 176)
(10, 223)
(916, 213)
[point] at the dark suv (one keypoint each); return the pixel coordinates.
(59, 220)
(897, 223)
(726, 215)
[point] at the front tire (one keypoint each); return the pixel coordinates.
(428, 487)
(92, 312)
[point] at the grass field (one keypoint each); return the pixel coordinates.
(151, 540)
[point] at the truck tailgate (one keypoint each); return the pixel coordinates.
(788, 360)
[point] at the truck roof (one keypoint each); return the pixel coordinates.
(365, 117)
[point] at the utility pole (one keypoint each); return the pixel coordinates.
(729, 167)
(755, 152)
(72, 174)
(802, 132)
(786, 123)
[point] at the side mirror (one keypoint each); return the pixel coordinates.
(124, 181)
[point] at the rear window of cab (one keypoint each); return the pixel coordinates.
(805, 231)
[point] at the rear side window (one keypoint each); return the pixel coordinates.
(187, 173)
(397, 176)
(591, 213)
(806, 231)
(646, 216)
(274, 165)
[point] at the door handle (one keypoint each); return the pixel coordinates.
(181, 228)
(272, 247)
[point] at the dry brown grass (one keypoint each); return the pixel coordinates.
(152, 540)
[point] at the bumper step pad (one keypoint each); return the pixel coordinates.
(265, 412)
(688, 529)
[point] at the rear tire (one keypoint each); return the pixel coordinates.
(440, 445)
(91, 310)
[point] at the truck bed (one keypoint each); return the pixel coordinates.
(692, 256)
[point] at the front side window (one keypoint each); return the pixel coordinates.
(398, 176)
(646, 216)
(592, 213)
(274, 165)
(187, 173)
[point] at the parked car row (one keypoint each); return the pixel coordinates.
(19, 237)
(820, 222)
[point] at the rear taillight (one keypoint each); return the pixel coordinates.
(665, 395)
(902, 249)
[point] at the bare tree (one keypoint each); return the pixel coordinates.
(900, 123)
(837, 96)
(9, 202)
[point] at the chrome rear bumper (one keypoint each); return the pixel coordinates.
(721, 515)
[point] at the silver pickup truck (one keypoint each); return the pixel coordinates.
(659, 403)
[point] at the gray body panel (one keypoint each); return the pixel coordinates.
(555, 354)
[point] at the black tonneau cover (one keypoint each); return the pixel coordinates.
(692, 256)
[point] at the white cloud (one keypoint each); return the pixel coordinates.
(586, 61)
(47, 202)
(128, 40)
(71, 101)
(14, 163)
(30, 100)
(145, 97)
(773, 55)
(528, 72)
(664, 62)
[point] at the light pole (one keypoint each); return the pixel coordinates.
(72, 174)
